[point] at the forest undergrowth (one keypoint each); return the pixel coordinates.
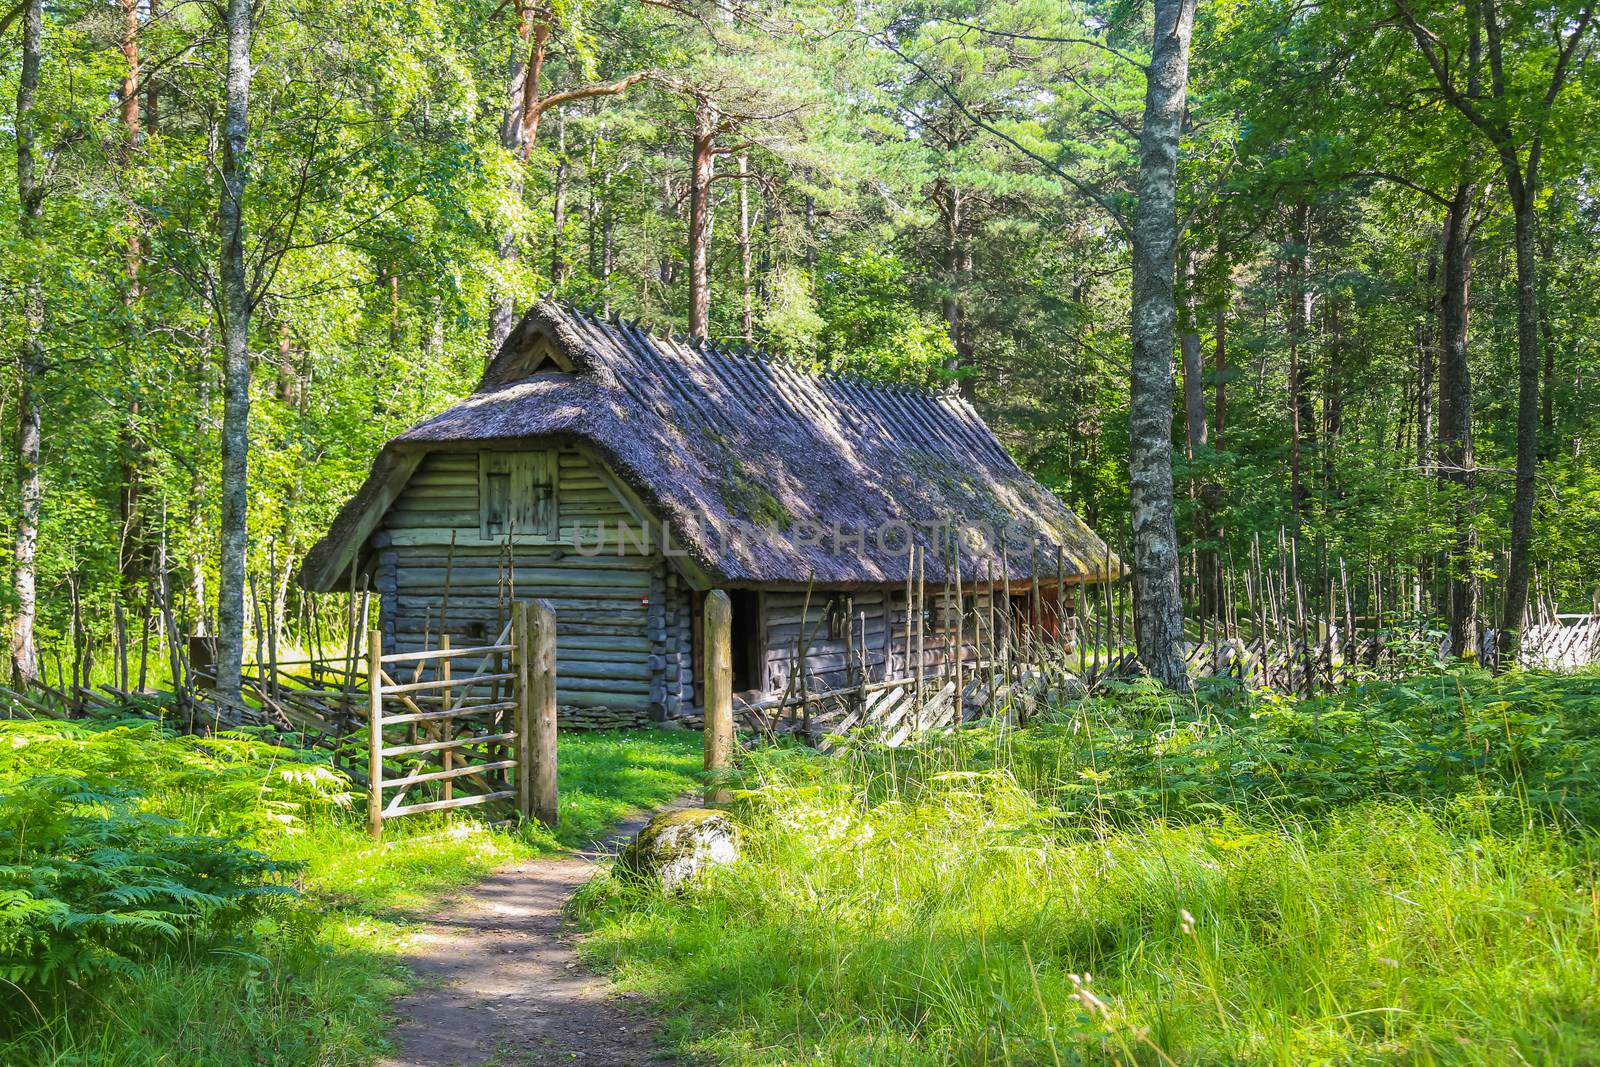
(1397, 872)
(217, 901)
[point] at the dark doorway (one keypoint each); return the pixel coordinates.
(745, 631)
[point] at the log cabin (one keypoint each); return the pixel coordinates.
(620, 475)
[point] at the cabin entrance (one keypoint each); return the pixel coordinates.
(745, 635)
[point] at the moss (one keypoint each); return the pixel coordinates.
(743, 493)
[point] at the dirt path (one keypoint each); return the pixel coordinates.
(503, 984)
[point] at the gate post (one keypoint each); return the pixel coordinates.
(533, 637)
(542, 695)
(717, 621)
(375, 733)
(522, 717)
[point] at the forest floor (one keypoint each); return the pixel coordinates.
(502, 982)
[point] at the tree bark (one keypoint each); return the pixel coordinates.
(234, 299)
(1455, 418)
(30, 408)
(1158, 605)
(957, 265)
(702, 169)
(132, 554)
(1527, 252)
(1427, 360)
(1300, 415)
(748, 318)
(152, 90)
(558, 211)
(1194, 387)
(1547, 332)
(523, 80)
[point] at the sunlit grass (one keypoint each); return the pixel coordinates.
(309, 982)
(1034, 898)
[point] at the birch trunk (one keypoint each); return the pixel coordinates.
(1158, 606)
(234, 300)
(30, 409)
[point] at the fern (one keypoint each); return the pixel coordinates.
(124, 842)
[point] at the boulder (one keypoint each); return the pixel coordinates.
(677, 845)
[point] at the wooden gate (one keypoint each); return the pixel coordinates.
(459, 727)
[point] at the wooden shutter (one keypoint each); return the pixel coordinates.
(494, 493)
(533, 493)
(517, 493)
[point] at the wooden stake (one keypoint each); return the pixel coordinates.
(446, 726)
(375, 734)
(922, 618)
(539, 722)
(961, 628)
(717, 623)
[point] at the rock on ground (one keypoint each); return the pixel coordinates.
(677, 845)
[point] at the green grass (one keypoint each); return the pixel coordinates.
(1403, 873)
(302, 980)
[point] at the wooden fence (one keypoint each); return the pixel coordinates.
(440, 739)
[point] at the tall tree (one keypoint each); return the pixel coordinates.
(233, 303)
(31, 354)
(1524, 88)
(1158, 602)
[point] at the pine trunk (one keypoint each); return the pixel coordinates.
(748, 318)
(702, 169)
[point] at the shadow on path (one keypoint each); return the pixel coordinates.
(502, 982)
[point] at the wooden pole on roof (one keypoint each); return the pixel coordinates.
(850, 677)
(911, 558)
(1036, 607)
(1010, 647)
(717, 623)
(1107, 592)
(1061, 599)
(994, 648)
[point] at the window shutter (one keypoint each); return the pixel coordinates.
(494, 493)
(533, 493)
(517, 494)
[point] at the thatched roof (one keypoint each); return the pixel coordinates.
(716, 442)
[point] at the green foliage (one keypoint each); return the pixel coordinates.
(124, 843)
(874, 327)
(1129, 882)
(215, 901)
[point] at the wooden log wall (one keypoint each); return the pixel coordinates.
(882, 638)
(614, 612)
